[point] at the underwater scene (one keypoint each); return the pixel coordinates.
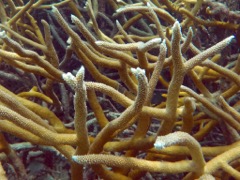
(119, 89)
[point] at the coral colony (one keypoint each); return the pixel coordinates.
(119, 89)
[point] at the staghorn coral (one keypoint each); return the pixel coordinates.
(131, 55)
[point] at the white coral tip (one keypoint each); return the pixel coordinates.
(69, 40)
(75, 158)
(137, 71)
(3, 34)
(99, 43)
(159, 145)
(73, 18)
(68, 77)
(54, 9)
(80, 72)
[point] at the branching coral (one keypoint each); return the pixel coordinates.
(137, 61)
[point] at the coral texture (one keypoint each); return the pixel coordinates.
(119, 89)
